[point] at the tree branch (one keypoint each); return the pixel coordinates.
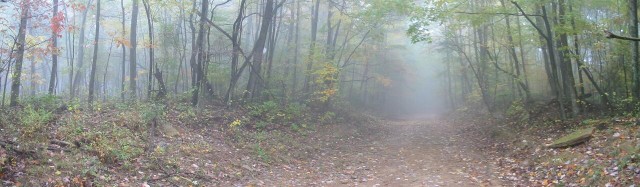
(498, 13)
(529, 19)
(610, 35)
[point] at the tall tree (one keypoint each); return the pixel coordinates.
(153, 73)
(146, 6)
(132, 54)
(17, 73)
(199, 51)
(92, 76)
(254, 86)
(54, 45)
(566, 67)
(314, 33)
(79, 75)
(635, 49)
(124, 54)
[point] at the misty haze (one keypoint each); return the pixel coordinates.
(319, 93)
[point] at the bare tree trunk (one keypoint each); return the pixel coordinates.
(296, 51)
(200, 53)
(80, 73)
(132, 54)
(635, 56)
(17, 73)
(565, 62)
(54, 55)
(104, 75)
(555, 67)
(124, 55)
(314, 32)
(255, 83)
(514, 56)
(146, 6)
(92, 76)
(158, 75)
(236, 40)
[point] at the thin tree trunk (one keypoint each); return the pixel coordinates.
(566, 66)
(200, 53)
(132, 54)
(635, 49)
(296, 51)
(314, 32)
(92, 78)
(255, 83)
(514, 56)
(22, 30)
(80, 74)
(54, 55)
(104, 75)
(124, 55)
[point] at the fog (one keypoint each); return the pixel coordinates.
(418, 88)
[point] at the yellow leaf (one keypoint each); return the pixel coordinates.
(545, 182)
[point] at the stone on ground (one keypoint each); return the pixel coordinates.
(572, 139)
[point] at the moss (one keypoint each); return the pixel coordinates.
(574, 138)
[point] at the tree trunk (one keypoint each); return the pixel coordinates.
(92, 76)
(158, 75)
(79, 76)
(514, 56)
(566, 67)
(200, 53)
(314, 32)
(54, 55)
(236, 40)
(17, 73)
(132, 54)
(104, 75)
(124, 55)
(296, 51)
(255, 83)
(635, 56)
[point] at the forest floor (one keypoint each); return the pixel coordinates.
(214, 146)
(122, 145)
(401, 152)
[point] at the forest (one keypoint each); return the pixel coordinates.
(319, 93)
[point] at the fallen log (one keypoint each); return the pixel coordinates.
(575, 138)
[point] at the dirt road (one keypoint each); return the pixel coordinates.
(424, 152)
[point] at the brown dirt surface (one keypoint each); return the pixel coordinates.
(417, 152)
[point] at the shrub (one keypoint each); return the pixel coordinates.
(264, 109)
(44, 102)
(34, 122)
(295, 110)
(115, 144)
(327, 117)
(518, 112)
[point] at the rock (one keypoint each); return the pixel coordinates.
(344, 181)
(168, 130)
(616, 135)
(572, 139)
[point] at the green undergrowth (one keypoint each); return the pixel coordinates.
(610, 158)
(47, 141)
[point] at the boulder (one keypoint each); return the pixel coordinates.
(572, 139)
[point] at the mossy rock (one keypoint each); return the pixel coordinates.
(168, 130)
(575, 138)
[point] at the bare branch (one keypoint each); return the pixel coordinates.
(498, 13)
(530, 20)
(610, 35)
